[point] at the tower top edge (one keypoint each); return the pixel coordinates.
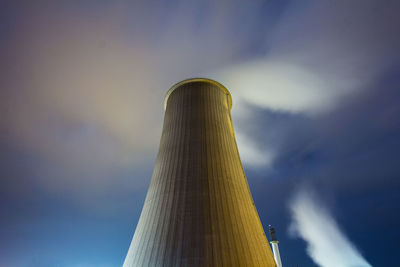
(192, 80)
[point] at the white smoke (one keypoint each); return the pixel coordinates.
(327, 245)
(252, 155)
(286, 86)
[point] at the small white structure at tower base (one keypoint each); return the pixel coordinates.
(275, 248)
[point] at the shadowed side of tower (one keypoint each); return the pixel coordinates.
(198, 210)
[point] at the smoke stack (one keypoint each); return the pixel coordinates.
(275, 248)
(198, 210)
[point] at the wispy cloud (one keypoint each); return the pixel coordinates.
(84, 92)
(319, 54)
(327, 245)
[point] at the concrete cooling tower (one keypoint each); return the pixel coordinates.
(198, 210)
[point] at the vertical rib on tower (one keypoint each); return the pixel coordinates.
(198, 210)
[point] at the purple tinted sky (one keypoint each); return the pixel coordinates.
(316, 110)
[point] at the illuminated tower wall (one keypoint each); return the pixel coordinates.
(198, 210)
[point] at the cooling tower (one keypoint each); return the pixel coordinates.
(198, 210)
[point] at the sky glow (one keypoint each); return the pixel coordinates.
(315, 97)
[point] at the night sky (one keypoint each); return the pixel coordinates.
(316, 111)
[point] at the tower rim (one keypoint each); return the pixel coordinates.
(206, 80)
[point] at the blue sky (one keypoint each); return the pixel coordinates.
(315, 88)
